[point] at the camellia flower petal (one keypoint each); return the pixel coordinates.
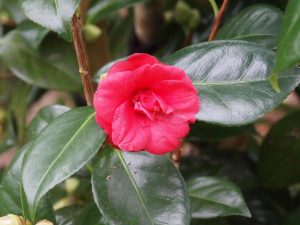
(144, 104)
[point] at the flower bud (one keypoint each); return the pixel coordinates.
(168, 16)
(71, 185)
(2, 116)
(64, 202)
(91, 32)
(182, 13)
(4, 16)
(44, 222)
(11, 219)
(194, 20)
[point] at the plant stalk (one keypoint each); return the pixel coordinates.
(218, 20)
(82, 59)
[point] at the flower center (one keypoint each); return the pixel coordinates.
(150, 104)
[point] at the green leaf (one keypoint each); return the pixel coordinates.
(105, 7)
(214, 197)
(12, 196)
(44, 117)
(258, 23)
(55, 15)
(53, 67)
(293, 218)
(13, 7)
(232, 80)
(104, 69)
(139, 188)
(215, 221)
(288, 46)
(217, 132)
(32, 33)
(73, 215)
(60, 150)
(280, 153)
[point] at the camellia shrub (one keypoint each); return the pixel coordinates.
(158, 112)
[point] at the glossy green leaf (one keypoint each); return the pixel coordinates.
(232, 80)
(60, 150)
(288, 46)
(10, 190)
(280, 153)
(12, 196)
(44, 117)
(258, 23)
(55, 15)
(50, 68)
(32, 33)
(89, 215)
(104, 8)
(139, 188)
(214, 197)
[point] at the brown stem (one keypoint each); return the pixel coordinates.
(176, 155)
(217, 20)
(82, 59)
(9, 23)
(187, 39)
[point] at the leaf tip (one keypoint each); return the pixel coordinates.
(274, 82)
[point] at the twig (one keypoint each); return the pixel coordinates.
(82, 59)
(217, 20)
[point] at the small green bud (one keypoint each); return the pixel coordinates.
(168, 16)
(2, 116)
(91, 32)
(71, 185)
(44, 222)
(274, 82)
(11, 219)
(182, 13)
(4, 16)
(64, 202)
(194, 20)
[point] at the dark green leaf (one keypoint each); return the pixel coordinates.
(207, 131)
(44, 117)
(10, 190)
(89, 215)
(105, 7)
(232, 80)
(19, 103)
(258, 23)
(280, 153)
(60, 150)
(214, 197)
(12, 196)
(288, 53)
(53, 67)
(139, 188)
(293, 219)
(53, 14)
(217, 221)
(66, 215)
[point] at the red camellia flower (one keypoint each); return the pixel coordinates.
(143, 104)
